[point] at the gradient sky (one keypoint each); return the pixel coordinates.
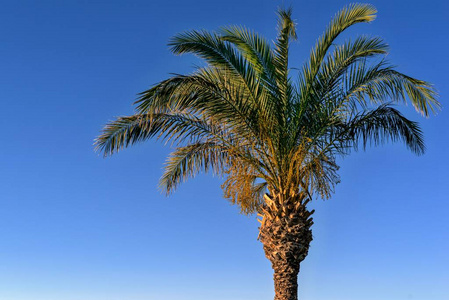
(75, 226)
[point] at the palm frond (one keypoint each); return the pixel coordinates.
(254, 48)
(208, 92)
(217, 53)
(126, 131)
(385, 124)
(189, 160)
(337, 63)
(348, 16)
(286, 32)
(381, 83)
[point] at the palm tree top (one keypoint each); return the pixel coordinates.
(242, 115)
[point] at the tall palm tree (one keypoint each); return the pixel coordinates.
(275, 139)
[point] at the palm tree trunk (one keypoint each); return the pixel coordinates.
(286, 235)
(285, 280)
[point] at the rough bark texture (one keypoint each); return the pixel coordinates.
(286, 236)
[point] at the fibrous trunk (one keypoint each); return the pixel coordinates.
(286, 235)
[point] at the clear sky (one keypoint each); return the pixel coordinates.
(75, 226)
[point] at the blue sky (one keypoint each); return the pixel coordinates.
(76, 226)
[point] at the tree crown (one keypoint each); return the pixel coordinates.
(245, 117)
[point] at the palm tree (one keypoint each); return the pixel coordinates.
(275, 139)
